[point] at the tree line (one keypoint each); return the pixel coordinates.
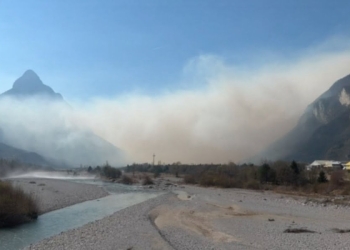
(265, 175)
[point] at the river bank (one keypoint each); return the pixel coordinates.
(192, 217)
(56, 201)
(53, 194)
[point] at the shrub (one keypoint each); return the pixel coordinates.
(16, 207)
(337, 179)
(322, 177)
(267, 174)
(126, 180)
(320, 188)
(252, 184)
(219, 180)
(284, 174)
(207, 179)
(111, 173)
(224, 181)
(294, 166)
(147, 180)
(346, 189)
(190, 179)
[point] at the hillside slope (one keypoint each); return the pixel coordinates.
(323, 131)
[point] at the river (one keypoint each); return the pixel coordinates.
(61, 220)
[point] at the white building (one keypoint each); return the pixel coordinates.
(324, 164)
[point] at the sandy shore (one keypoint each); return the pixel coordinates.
(207, 218)
(54, 194)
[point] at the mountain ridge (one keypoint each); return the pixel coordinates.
(30, 84)
(322, 132)
(41, 126)
(11, 153)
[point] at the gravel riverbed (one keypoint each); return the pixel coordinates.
(53, 194)
(190, 217)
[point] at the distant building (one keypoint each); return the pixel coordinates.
(325, 164)
(347, 166)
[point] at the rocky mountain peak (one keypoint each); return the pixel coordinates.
(30, 73)
(30, 84)
(29, 80)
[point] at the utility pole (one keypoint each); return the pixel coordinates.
(153, 158)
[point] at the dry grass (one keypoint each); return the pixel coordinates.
(126, 180)
(252, 184)
(16, 207)
(190, 179)
(337, 179)
(147, 180)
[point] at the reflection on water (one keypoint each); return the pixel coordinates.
(53, 223)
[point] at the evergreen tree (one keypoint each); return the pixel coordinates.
(294, 166)
(322, 177)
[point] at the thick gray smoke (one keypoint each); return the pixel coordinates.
(46, 127)
(233, 116)
(230, 114)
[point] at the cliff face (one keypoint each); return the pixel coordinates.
(323, 131)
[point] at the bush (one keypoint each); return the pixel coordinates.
(252, 184)
(284, 174)
(111, 173)
(322, 177)
(207, 179)
(16, 207)
(346, 189)
(147, 180)
(126, 180)
(190, 179)
(219, 180)
(267, 174)
(225, 181)
(320, 188)
(337, 179)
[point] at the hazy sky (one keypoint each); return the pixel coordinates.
(192, 81)
(106, 48)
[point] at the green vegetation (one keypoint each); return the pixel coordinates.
(16, 207)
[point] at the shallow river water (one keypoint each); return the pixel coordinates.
(61, 220)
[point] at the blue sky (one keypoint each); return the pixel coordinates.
(189, 80)
(90, 48)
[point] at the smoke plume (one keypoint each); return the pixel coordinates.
(222, 113)
(231, 114)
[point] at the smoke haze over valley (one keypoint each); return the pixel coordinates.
(233, 115)
(188, 81)
(223, 113)
(174, 125)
